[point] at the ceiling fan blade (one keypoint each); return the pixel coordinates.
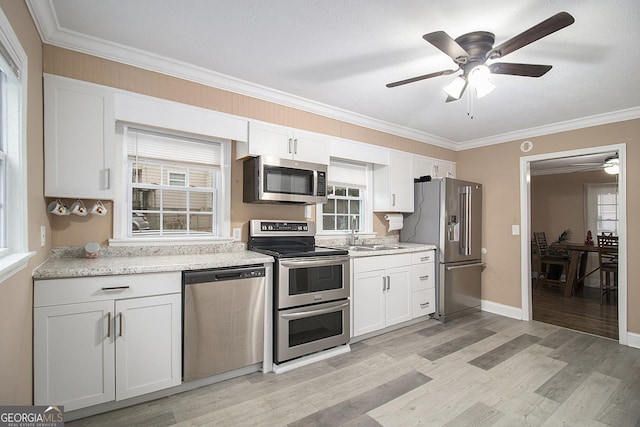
(418, 78)
(544, 28)
(527, 70)
(449, 46)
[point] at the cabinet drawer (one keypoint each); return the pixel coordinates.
(422, 277)
(424, 302)
(99, 288)
(380, 262)
(422, 257)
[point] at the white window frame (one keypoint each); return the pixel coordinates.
(591, 207)
(14, 253)
(366, 225)
(122, 216)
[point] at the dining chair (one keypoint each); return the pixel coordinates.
(545, 260)
(608, 259)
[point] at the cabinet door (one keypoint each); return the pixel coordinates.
(78, 140)
(310, 147)
(148, 344)
(269, 140)
(393, 184)
(422, 166)
(368, 302)
(398, 295)
(73, 354)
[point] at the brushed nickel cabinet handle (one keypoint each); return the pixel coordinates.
(424, 277)
(120, 323)
(424, 305)
(388, 282)
(384, 283)
(109, 325)
(295, 146)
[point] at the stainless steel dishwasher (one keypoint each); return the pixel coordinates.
(222, 320)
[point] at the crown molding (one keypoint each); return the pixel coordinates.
(581, 123)
(50, 31)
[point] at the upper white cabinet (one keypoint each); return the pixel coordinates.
(393, 184)
(436, 168)
(79, 131)
(278, 141)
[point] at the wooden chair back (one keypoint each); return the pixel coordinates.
(607, 248)
(541, 243)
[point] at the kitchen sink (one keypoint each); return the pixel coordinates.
(373, 247)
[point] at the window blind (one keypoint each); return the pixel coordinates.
(347, 173)
(142, 144)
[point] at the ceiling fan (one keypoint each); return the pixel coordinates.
(611, 165)
(471, 51)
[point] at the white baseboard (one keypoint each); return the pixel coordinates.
(633, 340)
(501, 309)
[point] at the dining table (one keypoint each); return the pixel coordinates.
(577, 265)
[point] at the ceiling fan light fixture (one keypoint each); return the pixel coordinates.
(612, 166)
(455, 88)
(479, 79)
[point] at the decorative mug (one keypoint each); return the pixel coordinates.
(99, 209)
(58, 208)
(79, 208)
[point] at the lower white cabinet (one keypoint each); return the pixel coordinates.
(115, 338)
(381, 292)
(423, 292)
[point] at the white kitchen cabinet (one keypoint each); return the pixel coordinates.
(423, 298)
(393, 184)
(381, 292)
(435, 168)
(106, 338)
(79, 132)
(285, 143)
(73, 354)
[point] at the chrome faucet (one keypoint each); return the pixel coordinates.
(353, 237)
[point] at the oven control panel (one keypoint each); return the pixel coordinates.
(281, 228)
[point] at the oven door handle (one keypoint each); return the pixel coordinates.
(315, 262)
(307, 313)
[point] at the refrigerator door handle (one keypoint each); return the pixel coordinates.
(456, 267)
(465, 194)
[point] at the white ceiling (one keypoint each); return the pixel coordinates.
(334, 57)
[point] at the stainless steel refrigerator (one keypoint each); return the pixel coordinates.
(448, 214)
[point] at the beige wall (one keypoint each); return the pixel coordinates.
(557, 202)
(17, 292)
(498, 168)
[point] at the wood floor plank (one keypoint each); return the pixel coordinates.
(504, 352)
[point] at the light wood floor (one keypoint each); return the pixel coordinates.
(582, 312)
(481, 370)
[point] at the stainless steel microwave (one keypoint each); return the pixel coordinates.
(274, 180)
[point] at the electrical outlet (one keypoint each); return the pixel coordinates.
(515, 230)
(43, 235)
(237, 234)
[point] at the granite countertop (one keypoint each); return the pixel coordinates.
(404, 248)
(69, 263)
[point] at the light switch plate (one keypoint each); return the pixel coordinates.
(43, 235)
(515, 230)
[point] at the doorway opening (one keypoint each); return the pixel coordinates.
(572, 161)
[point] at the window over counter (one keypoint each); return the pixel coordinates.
(13, 152)
(175, 184)
(349, 194)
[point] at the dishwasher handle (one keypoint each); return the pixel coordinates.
(193, 277)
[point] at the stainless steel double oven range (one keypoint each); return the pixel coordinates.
(311, 288)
